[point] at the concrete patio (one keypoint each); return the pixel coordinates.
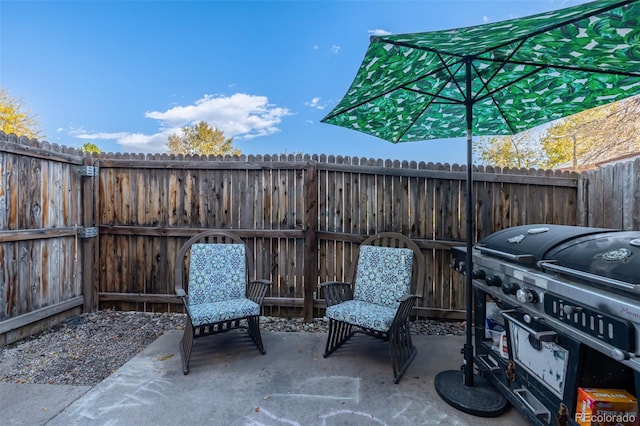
(230, 383)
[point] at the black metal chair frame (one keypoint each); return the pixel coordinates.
(401, 348)
(256, 291)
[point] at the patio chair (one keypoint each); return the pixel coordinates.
(388, 269)
(218, 295)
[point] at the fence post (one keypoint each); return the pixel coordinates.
(89, 245)
(310, 267)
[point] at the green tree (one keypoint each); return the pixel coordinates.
(201, 139)
(598, 134)
(16, 118)
(91, 147)
(516, 151)
(583, 139)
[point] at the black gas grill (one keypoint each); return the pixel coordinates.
(565, 301)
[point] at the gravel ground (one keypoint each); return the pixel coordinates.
(87, 349)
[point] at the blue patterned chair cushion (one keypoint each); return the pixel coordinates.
(383, 275)
(363, 314)
(209, 313)
(216, 273)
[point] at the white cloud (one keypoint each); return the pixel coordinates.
(334, 49)
(240, 116)
(485, 19)
(81, 134)
(315, 103)
(379, 32)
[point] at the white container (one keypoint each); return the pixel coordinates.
(504, 345)
(493, 319)
(492, 312)
(495, 339)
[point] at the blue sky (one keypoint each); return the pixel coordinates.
(126, 74)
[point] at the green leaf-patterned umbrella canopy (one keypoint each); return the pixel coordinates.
(504, 77)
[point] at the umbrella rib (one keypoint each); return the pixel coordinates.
(490, 93)
(495, 73)
(405, 87)
(399, 138)
(521, 39)
(533, 34)
(450, 79)
(433, 96)
(451, 101)
(451, 75)
(569, 67)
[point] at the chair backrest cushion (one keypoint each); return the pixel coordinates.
(217, 272)
(383, 275)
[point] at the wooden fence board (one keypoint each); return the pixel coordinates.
(379, 202)
(13, 182)
(614, 203)
(632, 196)
(4, 188)
(442, 206)
(403, 207)
(352, 201)
(387, 201)
(484, 214)
(458, 207)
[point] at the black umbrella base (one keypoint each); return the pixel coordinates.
(482, 399)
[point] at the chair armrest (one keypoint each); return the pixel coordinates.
(402, 314)
(257, 290)
(409, 297)
(184, 297)
(336, 292)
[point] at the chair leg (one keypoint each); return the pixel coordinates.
(401, 349)
(254, 332)
(186, 344)
(339, 332)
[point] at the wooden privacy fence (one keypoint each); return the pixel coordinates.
(303, 217)
(44, 202)
(609, 197)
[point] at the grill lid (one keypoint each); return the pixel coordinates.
(614, 255)
(529, 243)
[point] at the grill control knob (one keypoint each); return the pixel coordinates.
(493, 281)
(480, 274)
(525, 295)
(510, 288)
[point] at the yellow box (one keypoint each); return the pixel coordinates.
(606, 407)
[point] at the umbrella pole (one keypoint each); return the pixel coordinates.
(468, 346)
(462, 389)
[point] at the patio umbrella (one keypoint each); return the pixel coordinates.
(495, 79)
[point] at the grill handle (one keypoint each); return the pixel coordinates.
(520, 258)
(597, 279)
(542, 336)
